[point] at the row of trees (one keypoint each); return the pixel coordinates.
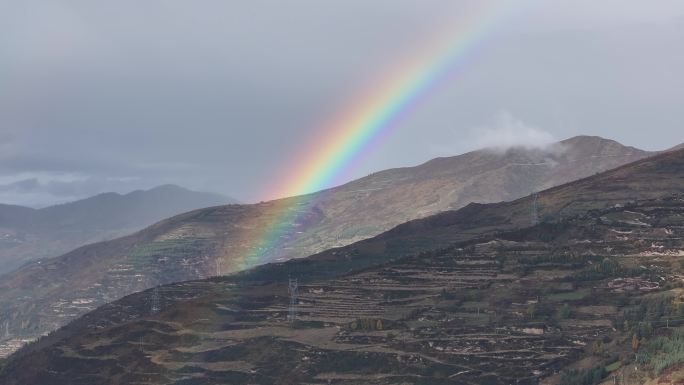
(367, 324)
(590, 376)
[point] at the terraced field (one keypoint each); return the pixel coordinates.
(47, 294)
(513, 307)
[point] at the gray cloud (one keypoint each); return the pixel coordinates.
(508, 131)
(222, 96)
(22, 186)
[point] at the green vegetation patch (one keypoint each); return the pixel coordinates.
(142, 255)
(614, 366)
(570, 296)
(591, 376)
(647, 312)
(663, 352)
(563, 286)
(417, 324)
(363, 231)
(606, 268)
(565, 312)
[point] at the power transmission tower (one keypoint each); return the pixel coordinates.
(534, 210)
(293, 290)
(154, 301)
(218, 268)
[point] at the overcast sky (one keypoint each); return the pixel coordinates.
(222, 95)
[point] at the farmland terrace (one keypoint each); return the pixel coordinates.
(46, 295)
(517, 306)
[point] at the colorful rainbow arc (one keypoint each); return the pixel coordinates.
(361, 127)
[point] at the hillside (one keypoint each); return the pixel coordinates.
(680, 147)
(489, 294)
(45, 295)
(27, 234)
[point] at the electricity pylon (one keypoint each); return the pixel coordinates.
(293, 290)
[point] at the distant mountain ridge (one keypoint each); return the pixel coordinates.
(113, 210)
(28, 234)
(206, 242)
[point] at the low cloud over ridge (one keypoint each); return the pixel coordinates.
(508, 132)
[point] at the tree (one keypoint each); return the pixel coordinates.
(635, 342)
(598, 348)
(564, 312)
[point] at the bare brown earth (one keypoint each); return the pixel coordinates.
(474, 296)
(44, 295)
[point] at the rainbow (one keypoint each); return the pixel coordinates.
(347, 138)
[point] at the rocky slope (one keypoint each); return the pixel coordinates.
(27, 234)
(45, 295)
(482, 295)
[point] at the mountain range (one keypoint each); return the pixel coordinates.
(561, 286)
(42, 296)
(28, 234)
